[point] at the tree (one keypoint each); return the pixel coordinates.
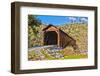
(33, 29)
(34, 23)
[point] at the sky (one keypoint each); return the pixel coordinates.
(60, 20)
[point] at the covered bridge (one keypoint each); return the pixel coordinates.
(52, 35)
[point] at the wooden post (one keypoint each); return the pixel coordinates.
(58, 39)
(43, 37)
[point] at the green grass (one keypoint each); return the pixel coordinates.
(75, 56)
(47, 56)
(32, 56)
(32, 52)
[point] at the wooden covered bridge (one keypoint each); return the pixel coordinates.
(52, 35)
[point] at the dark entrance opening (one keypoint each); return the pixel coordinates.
(50, 38)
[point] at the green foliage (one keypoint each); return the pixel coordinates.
(31, 55)
(33, 30)
(49, 57)
(33, 21)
